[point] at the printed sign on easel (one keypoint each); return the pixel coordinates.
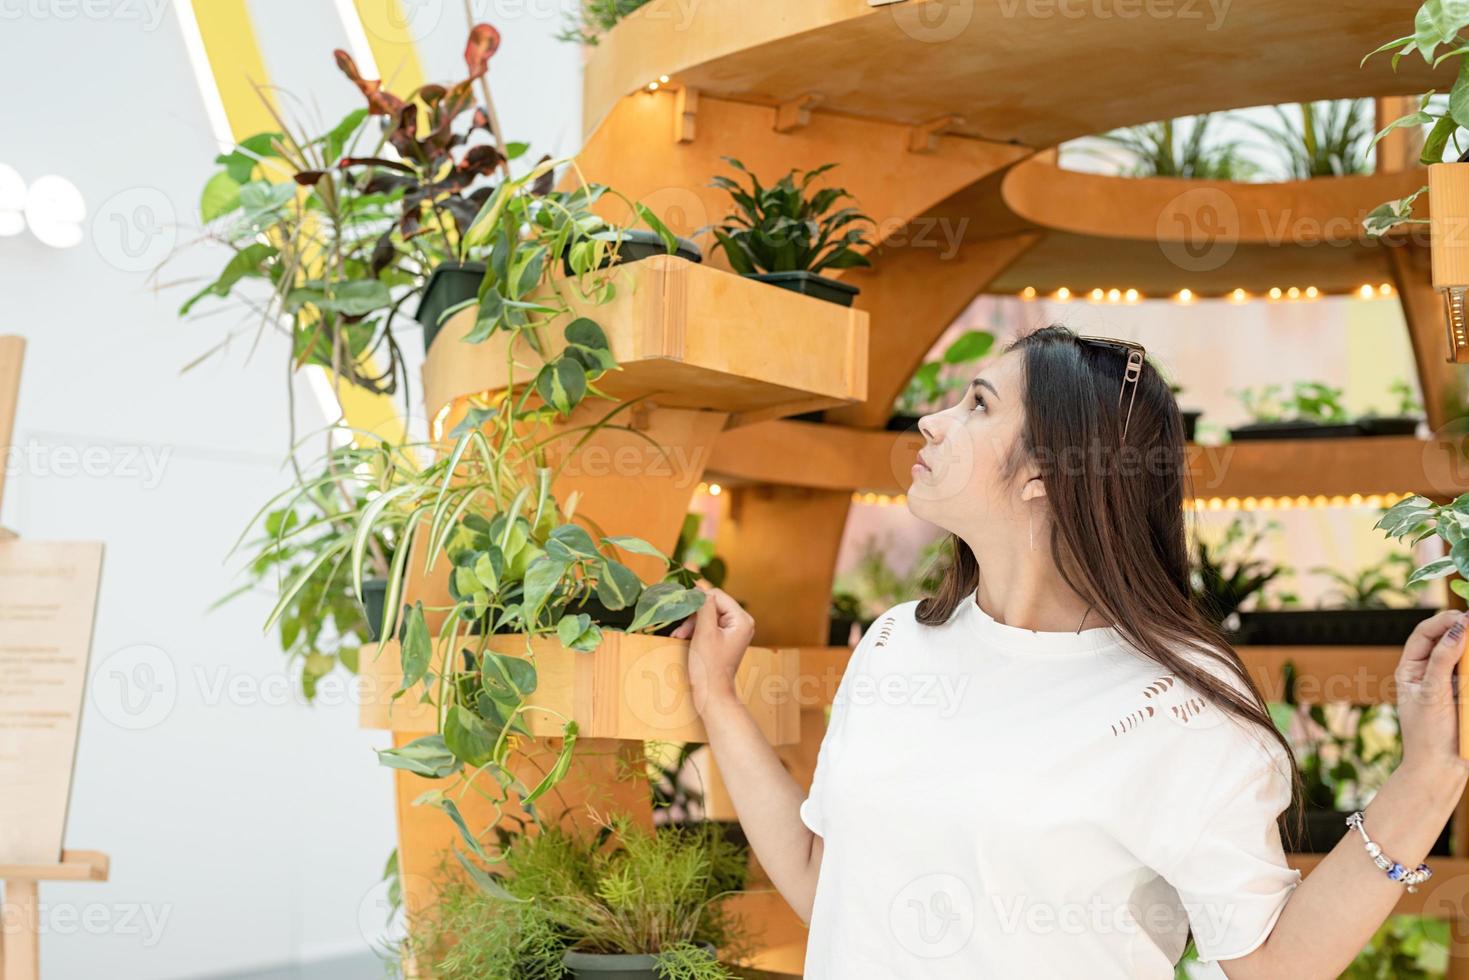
(48, 598)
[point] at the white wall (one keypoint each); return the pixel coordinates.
(246, 828)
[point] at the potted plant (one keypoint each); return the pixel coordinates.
(1190, 418)
(786, 234)
(845, 616)
(1415, 519)
(322, 622)
(624, 903)
(1312, 411)
(1345, 753)
(936, 381)
(1374, 607)
(595, 18)
(1404, 420)
(1226, 575)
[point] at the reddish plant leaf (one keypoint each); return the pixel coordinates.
(308, 178)
(346, 162)
(379, 103)
(484, 41)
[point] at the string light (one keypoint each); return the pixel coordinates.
(1029, 292)
(1238, 296)
(715, 489)
(1133, 296)
(1096, 295)
(1293, 292)
(663, 79)
(1185, 296)
(1114, 295)
(1312, 292)
(1275, 292)
(1385, 289)
(1366, 292)
(1063, 294)
(652, 86)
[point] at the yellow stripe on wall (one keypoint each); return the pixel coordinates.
(238, 67)
(388, 34)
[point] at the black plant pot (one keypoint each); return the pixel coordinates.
(615, 966)
(1391, 425)
(613, 619)
(1294, 430)
(1323, 829)
(451, 284)
(374, 597)
(1329, 627)
(839, 632)
(1190, 425)
(903, 423)
(637, 244)
(810, 284)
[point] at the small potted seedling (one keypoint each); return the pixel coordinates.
(1403, 422)
(1312, 411)
(844, 616)
(788, 233)
(1376, 606)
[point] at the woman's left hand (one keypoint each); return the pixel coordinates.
(1428, 708)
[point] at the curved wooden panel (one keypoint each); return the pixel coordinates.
(1034, 71)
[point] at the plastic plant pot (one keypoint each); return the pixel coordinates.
(450, 284)
(810, 284)
(374, 597)
(1388, 425)
(1190, 425)
(615, 966)
(638, 244)
(1294, 430)
(1330, 627)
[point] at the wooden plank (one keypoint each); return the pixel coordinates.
(1359, 675)
(74, 866)
(979, 61)
(689, 335)
(834, 457)
(633, 686)
(12, 355)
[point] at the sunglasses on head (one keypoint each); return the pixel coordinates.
(1132, 370)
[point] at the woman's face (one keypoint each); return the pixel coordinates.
(959, 481)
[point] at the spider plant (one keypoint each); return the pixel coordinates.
(1156, 151)
(1321, 139)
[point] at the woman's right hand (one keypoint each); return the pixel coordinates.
(719, 632)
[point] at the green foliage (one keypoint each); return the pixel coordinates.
(782, 228)
(872, 586)
(300, 554)
(1156, 151)
(1323, 139)
(596, 18)
(1309, 401)
(934, 383)
(1226, 574)
(1406, 399)
(622, 890)
(1416, 518)
(1384, 585)
(694, 558)
(1437, 25)
(1405, 947)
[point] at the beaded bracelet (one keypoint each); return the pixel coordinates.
(1394, 870)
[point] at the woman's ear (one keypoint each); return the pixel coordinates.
(1034, 489)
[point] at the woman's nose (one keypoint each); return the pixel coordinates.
(928, 426)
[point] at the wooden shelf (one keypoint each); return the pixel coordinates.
(1160, 235)
(979, 64)
(1356, 674)
(833, 457)
(633, 686)
(690, 336)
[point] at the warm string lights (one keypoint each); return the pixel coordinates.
(655, 86)
(1186, 296)
(1373, 501)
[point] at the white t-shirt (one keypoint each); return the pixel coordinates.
(1001, 803)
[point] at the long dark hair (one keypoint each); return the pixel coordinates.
(1118, 531)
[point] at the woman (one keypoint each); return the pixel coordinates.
(1054, 767)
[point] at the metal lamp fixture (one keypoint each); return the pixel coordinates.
(1448, 236)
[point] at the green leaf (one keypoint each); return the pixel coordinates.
(541, 579)
(246, 262)
(562, 383)
(452, 809)
(578, 632)
(1459, 95)
(489, 567)
(665, 602)
(559, 770)
(355, 298)
(670, 241)
(637, 546)
(1459, 555)
(240, 162)
(416, 649)
(487, 883)
(468, 737)
(221, 196)
(617, 586)
(1460, 587)
(1437, 568)
(970, 346)
(585, 332)
(1437, 139)
(428, 756)
(576, 540)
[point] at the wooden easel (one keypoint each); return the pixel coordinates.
(20, 924)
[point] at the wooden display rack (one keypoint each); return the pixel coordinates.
(20, 924)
